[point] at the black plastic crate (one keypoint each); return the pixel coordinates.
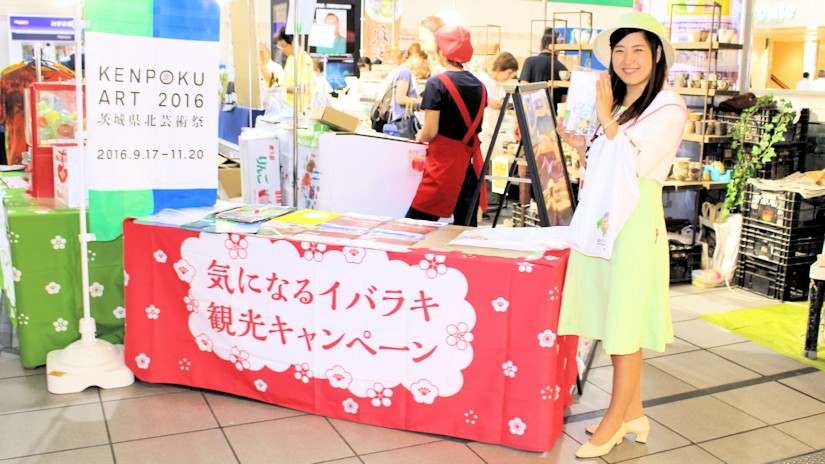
(790, 158)
(795, 132)
(786, 283)
(684, 259)
(781, 208)
(781, 245)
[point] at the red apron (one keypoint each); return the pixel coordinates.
(446, 163)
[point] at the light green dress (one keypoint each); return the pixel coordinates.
(624, 301)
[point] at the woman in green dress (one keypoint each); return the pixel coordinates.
(623, 301)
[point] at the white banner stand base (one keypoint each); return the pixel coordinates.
(81, 365)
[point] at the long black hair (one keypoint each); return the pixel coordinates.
(654, 84)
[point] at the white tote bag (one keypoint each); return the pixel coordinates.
(608, 197)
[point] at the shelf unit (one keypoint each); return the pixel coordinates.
(712, 47)
(490, 49)
(585, 25)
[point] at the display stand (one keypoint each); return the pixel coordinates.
(543, 151)
(88, 361)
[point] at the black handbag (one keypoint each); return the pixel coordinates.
(408, 126)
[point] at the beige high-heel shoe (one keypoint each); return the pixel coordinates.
(589, 450)
(639, 426)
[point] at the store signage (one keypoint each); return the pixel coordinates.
(405, 324)
(774, 13)
(41, 28)
(40, 24)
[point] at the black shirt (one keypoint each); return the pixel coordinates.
(537, 68)
(436, 97)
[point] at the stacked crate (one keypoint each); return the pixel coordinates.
(782, 233)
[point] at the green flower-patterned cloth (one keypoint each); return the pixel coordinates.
(40, 258)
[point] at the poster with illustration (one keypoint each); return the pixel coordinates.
(544, 154)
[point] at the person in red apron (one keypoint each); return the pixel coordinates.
(453, 104)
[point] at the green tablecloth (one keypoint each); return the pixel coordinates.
(40, 258)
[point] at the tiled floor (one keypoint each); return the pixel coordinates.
(713, 397)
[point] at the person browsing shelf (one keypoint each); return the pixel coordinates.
(296, 56)
(404, 90)
(624, 301)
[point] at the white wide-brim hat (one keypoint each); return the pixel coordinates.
(633, 20)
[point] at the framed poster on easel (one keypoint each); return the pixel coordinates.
(542, 150)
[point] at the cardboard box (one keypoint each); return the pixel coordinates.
(337, 120)
(65, 167)
(229, 179)
(260, 167)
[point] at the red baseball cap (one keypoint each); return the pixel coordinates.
(454, 43)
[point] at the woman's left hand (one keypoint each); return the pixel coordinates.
(604, 98)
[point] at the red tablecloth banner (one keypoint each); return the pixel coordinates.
(431, 341)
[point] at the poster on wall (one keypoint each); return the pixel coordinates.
(378, 26)
(152, 115)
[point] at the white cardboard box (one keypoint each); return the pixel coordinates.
(260, 167)
(66, 181)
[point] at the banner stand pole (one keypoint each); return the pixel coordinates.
(88, 361)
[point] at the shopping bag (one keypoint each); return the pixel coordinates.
(409, 125)
(608, 197)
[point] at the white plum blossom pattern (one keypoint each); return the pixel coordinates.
(459, 336)
(125, 278)
(53, 288)
(58, 242)
(204, 343)
(517, 426)
(350, 406)
(525, 267)
(185, 270)
(142, 361)
(96, 290)
(546, 392)
(152, 312)
(260, 385)
(558, 392)
(313, 251)
(91, 254)
(185, 364)
(160, 256)
(14, 237)
(510, 369)
(500, 304)
(303, 373)
(434, 265)
(424, 391)
(17, 274)
(240, 358)
(60, 325)
(555, 294)
(551, 258)
(22, 319)
(191, 303)
(237, 245)
(120, 312)
(547, 339)
(339, 377)
(470, 417)
(354, 255)
(380, 395)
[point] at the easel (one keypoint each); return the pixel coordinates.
(530, 131)
(528, 136)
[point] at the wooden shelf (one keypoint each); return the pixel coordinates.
(694, 185)
(700, 92)
(560, 84)
(707, 138)
(706, 46)
(573, 47)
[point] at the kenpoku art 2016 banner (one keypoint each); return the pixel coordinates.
(152, 92)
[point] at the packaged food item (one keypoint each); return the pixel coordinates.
(580, 112)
